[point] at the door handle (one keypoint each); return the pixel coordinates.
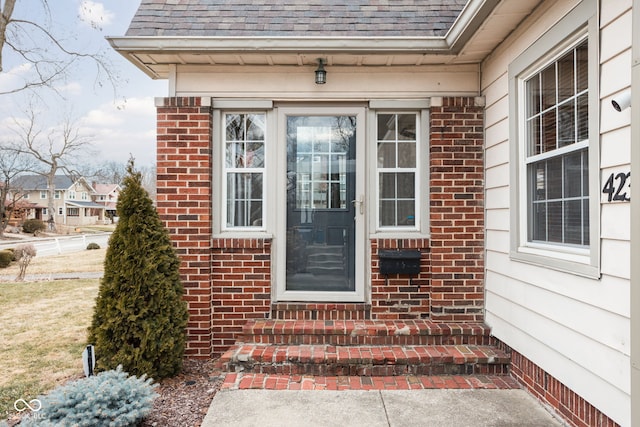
(360, 203)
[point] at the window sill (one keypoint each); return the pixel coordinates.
(245, 234)
(577, 263)
(398, 234)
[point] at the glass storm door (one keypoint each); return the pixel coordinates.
(322, 207)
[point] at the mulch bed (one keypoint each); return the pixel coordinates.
(184, 399)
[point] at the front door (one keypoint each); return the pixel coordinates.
(324, 205)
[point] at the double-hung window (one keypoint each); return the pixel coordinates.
(555, 153)
(557, 145)
(244, 169)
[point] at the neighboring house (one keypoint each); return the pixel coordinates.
(299, 142)
(72, 200)
(107, 196)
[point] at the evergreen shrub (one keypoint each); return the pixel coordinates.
(92, 246)
(6, 257)
(111, 398)
(140, 318)
(33, 226)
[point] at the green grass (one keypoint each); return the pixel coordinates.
(44, 329)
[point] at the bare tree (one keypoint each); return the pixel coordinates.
(109, 172)
(149, 181)
(60, 150)
(12, 163)
(42, 51)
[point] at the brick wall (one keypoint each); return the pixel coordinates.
(241, 288)
(457, 210)
(399, 297)
(573, 408)
(184, 129)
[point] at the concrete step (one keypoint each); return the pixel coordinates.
(365, 360)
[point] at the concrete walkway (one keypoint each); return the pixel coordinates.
(439, 401)
(373, 408)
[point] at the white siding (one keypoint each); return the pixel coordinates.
(575, 328)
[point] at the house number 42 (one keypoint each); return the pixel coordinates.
(617, 186)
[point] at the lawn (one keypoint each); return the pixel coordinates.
(44, 327)
(85, 261)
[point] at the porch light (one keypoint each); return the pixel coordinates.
(321, 74)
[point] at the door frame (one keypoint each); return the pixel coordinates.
(279, 243)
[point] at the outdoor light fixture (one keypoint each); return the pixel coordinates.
(321, 74)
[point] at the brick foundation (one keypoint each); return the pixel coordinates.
(574, 409)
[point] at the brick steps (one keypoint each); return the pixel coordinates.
(362, 360)
(364, 332)
(368, 348)
(248, 381)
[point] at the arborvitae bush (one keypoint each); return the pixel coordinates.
(92, 246)
(33, 226)
(6, 257)
(140, 317)
(111, 398)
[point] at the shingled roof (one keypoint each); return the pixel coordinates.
(295, 18)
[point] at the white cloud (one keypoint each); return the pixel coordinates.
(120, 131)
(14, 78)
(94, 14)
(73, 88)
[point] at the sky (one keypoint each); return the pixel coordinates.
(120, 121)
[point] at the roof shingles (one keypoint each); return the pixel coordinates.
(295, 18)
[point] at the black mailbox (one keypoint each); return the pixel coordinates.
(399, 261)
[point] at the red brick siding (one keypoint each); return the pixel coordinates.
(457, 210)
(399, 297)
(574, 409)
(184, 129)
(241, 288)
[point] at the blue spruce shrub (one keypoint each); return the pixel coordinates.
(111, 398)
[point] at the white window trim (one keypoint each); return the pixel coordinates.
(581, 22)
(421, 228)
(219, 226)
(225, 171)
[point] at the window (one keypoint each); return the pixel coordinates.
(557, 141)
(73, 212)
(554, 115)
(60, 211)
(25, 196)
(44, 211)
(244, 168)
(72, 195)
(84, 195)
(56, 194)
(43, 194)
(397, 170)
